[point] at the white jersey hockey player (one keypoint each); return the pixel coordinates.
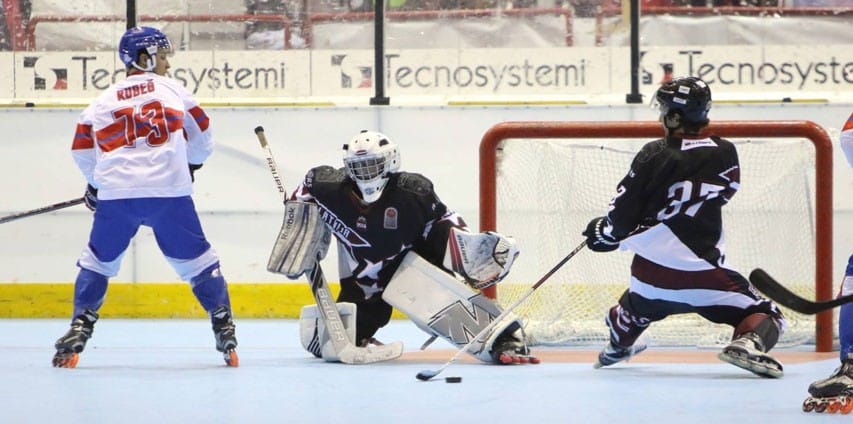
(138, 145)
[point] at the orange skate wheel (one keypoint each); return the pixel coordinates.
(231, 359)
(846, 405)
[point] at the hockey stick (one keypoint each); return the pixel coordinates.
(779, 293)
(46, 209)
(425, 375)
(347, 352)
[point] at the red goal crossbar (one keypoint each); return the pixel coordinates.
(652, 129)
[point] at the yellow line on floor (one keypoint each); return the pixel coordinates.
(156, 300)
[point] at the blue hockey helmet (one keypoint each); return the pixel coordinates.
(139, 39)
(688, 97)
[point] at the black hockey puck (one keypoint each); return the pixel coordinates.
(453, 379)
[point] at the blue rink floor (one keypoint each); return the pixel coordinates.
(166, 371)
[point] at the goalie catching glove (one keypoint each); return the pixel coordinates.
(598, 237)
(481, 259)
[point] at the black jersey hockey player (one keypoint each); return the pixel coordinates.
(668, 211)
(388, 223)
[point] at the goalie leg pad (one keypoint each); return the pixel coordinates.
(445, 307)
(312, 330)
(302, 240)
(483, 259)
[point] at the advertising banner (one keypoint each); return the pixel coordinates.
(276, 76)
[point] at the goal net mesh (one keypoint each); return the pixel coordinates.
(549, 189)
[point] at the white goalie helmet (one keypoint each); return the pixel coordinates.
(368, 158)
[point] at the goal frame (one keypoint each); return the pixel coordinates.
(651, 130)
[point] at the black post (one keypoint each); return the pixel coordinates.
(131, 14)
(379, 54)
(634, 96)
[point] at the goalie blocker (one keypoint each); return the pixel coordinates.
(445, 307)
(302, 241)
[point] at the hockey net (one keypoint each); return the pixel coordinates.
(541, 182)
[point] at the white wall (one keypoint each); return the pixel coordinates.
(238, 200)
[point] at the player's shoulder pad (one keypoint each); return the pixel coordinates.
(324, 174)
(414, 183)
(651, 149)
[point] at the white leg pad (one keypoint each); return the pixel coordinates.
(312, 330)
(443, 306)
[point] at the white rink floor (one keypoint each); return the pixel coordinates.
(166, 371)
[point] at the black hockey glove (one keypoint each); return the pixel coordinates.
(596, 240)
(91, 197)
(510, 348)
(194, 168)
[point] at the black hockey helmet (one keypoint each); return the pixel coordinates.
(688, 97)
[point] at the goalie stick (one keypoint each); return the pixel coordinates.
(347, 352)
(780, 294)
(426, 375)
(46, 209)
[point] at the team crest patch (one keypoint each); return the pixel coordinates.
(361, 223)
(390, 219)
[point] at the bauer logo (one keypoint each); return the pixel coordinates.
(692, 144)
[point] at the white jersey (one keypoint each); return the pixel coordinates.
(139, 137)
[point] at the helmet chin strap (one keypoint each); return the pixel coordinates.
(672, 121)
(152, 59)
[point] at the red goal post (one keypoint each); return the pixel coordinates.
(496, 150)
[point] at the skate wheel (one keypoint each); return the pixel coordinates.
(231, 359)
(534, 360)
(833, 406)
(846, 406)
(504, 359)
(821, 406)
(66, 360)
(808, 405)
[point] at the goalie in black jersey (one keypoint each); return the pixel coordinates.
(668, 211)
(400, 247)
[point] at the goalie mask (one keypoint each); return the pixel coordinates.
(142, 39)
(369, 158)
(683, 102)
